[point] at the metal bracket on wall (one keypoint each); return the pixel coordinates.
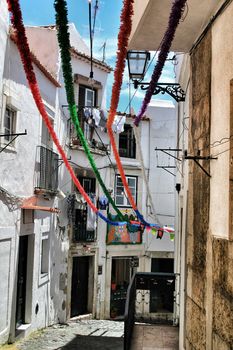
(174, 90)
(166, 167)
(14, 137)
(167, 151)
(62, 161)
(198, 157)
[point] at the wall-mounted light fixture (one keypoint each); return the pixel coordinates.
(137, 64)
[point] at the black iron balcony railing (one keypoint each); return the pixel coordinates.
(158, 286)
(47, 171)
(80, 234)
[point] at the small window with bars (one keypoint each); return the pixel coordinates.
(127, 143)
(44, 262)
(9, 123)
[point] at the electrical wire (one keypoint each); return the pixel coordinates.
(96, 7)
(218, 154)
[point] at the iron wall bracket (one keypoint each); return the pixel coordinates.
(14, 137)
(197, 158)
(174, 90)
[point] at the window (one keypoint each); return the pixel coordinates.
(9, 123)
(46, 138)
(120, 197)
(86, 98)
(47, 174)
(28, 216)
(44, 266)
(84, 221)
(88, 183)
(127, 143)
(90, 98)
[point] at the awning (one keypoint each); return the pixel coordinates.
(31, 203)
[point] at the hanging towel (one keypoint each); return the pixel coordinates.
(96, 116)
(118, 124)
(103, 202)
(91, 215)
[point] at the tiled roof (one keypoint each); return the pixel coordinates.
(133, 116)
(87, 58)
(36, 61)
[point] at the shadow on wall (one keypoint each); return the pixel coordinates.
(82, 342)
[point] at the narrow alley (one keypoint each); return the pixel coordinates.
(100, 335)
(116, 175)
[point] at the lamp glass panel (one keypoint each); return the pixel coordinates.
(137, 62)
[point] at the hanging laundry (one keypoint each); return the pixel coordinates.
(118, 124)
(103, 202)
(87, 113)
(91, 215)
(80, 202)
(103, 119)
(96, 116)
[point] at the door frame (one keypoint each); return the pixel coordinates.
(79, 252)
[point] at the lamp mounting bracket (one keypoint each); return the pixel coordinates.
(174, 90)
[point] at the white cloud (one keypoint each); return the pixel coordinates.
(111, 47)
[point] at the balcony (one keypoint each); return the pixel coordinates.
(81, 235)
(83, 231)
(47, 171)
(89, 131)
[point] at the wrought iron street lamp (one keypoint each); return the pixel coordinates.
(137, 64)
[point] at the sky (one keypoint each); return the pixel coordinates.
(107, 26)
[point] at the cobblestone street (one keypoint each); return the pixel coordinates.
(98, 335)
(77, 335)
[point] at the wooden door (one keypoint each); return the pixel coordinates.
(79, 290)
(21, 281)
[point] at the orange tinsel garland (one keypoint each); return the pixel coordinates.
(123, 38)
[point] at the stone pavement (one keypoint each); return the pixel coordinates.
(100, 335)
(77, 335)
(155, 337)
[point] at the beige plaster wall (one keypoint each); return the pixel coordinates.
(222, 73)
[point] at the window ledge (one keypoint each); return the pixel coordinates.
(93, 150)
(134, 163)
(42, 191)
(23, 327)
(10, 148)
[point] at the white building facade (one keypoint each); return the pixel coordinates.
(32, 246)
(57, 261)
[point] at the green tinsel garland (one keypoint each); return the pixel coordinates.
(64, 44)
